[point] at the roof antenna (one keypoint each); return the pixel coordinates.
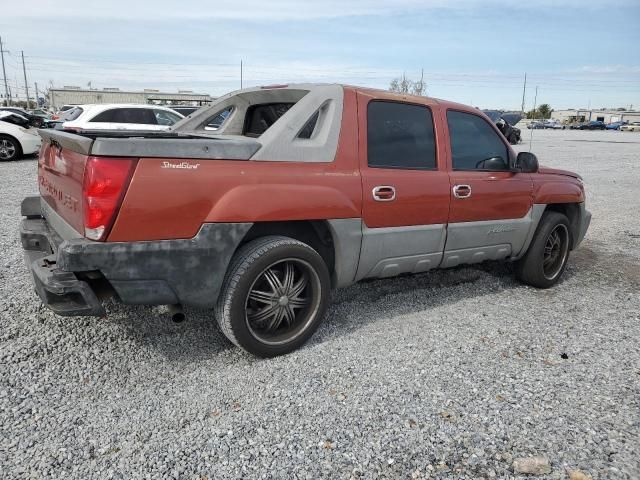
(535, 100)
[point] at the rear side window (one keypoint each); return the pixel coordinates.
(475, 145)
(400, 135)
(127, 115)
(72, 114)
(166, 118)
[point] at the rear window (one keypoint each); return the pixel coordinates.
(143, 116)
(260, 117)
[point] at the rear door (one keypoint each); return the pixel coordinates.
(491, 206)
(405, 186)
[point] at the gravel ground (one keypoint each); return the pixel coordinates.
(451, 374)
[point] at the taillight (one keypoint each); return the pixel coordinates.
(105, 183)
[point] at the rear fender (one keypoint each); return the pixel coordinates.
(278, 202)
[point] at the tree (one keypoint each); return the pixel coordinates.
(542, 112)
(545, 110)
(405, 85)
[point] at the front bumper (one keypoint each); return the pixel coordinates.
(583, 225)
(67, 273)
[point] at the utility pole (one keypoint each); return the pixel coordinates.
(26, 85)
(422, 83)
(524, 89)
(4, 74)
(36, 83)
(535, 104)
(240, 74)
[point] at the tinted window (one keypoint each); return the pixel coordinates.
(475, 145)
(260, 117)
(166, 118)
(127, 115)
(71, 114)
(400, 135)
(310, 126)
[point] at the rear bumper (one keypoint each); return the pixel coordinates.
(67, 273)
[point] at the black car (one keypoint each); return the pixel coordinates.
(592, 125)
(34, 120)
(505, 122)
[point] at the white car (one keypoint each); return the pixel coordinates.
(16, 137)
(630, 127)
(119, 117)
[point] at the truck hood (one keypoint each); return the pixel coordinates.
(557, 171)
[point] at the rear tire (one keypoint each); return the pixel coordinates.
(546, 259)
(274, 297)
(10, 148)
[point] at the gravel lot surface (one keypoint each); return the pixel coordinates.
(451, 374)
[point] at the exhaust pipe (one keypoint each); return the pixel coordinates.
(176, 313)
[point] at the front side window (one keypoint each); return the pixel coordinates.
(400, 135)
(475, 145)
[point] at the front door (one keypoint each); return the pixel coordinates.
(491, 206)
(405, 187)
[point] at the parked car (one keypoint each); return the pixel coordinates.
(631, 127)
(184, 109)
(17, 136)
(592, 125)
(119, 117)
(615, 125)
(301, 189)
(553, 125)
(535, 125)
(34, 120)
(511, 133)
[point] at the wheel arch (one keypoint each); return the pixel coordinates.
(315, 233)
(572, 212)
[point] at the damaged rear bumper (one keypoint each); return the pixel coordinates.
(72, 275)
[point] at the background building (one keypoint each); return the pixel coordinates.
(58, 97)
(585, 115)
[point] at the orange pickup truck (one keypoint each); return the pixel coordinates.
(259, 204)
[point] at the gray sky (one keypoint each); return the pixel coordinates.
(577, 52)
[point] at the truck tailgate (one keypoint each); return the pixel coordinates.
(60, 175)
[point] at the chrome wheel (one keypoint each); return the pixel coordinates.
(556, 250)
(7, 149)
(283, 301)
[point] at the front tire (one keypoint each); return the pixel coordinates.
(10, 148)
(274, 297)
(546, 259)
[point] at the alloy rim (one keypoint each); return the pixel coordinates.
(283, 301)
(556, 249)
(7, 149)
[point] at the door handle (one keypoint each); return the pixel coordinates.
(384, 193)
(462, 191)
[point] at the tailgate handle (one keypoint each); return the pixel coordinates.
(384, 193)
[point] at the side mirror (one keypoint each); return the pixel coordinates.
(526, 162)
